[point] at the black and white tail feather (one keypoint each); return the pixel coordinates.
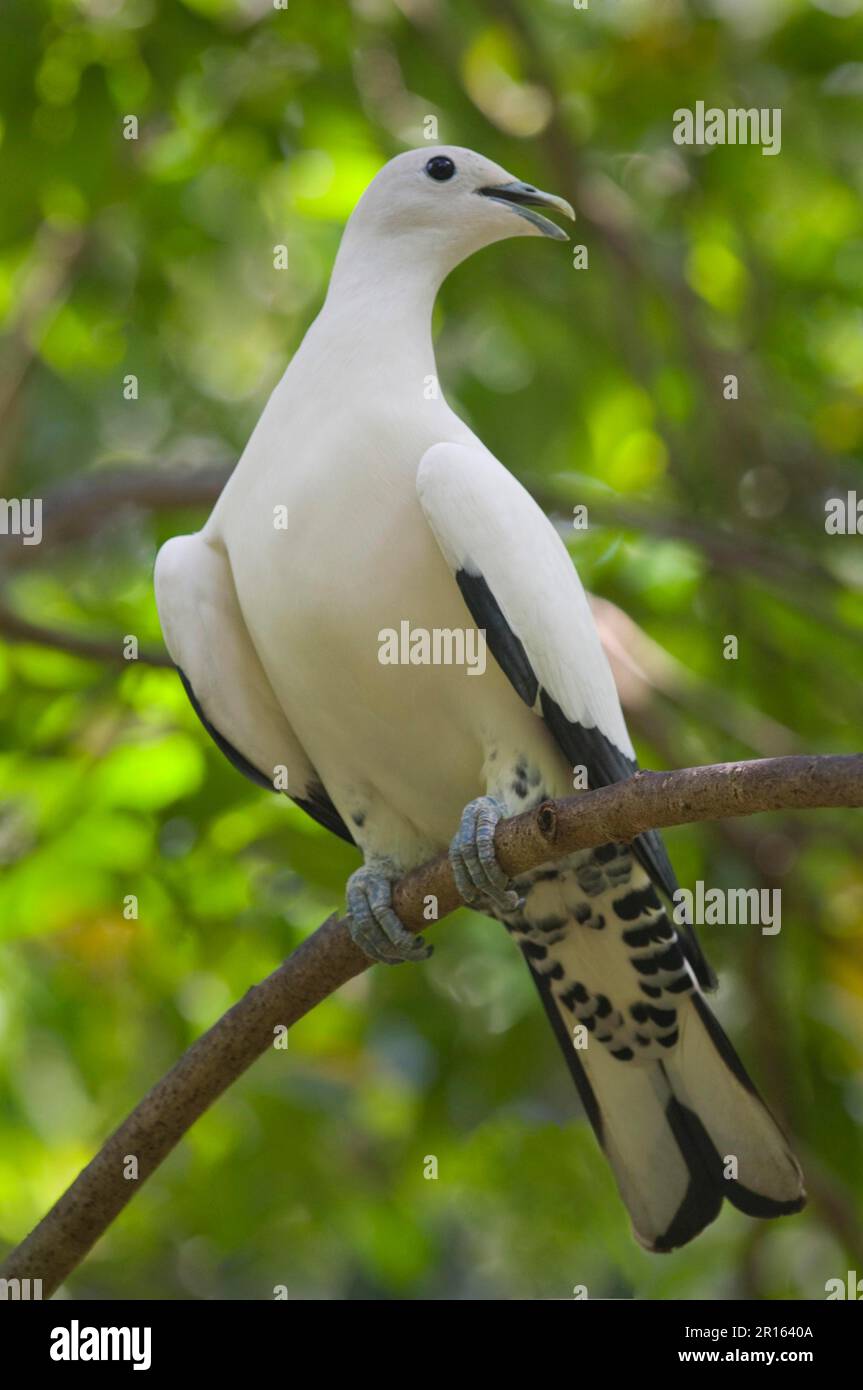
(673, 1108)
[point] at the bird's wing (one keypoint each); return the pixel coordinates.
(224, 679)
(521, 586)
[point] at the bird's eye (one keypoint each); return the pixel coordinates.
(440, 167)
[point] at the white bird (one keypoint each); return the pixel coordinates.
(312, 649)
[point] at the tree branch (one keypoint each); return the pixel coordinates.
(329, 958)
(17, 629)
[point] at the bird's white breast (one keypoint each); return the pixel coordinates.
(358, 558)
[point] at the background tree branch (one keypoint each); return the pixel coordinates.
(329, 958)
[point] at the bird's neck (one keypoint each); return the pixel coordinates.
(379, 305)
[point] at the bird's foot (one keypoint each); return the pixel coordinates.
(374, 925)
(478, 876)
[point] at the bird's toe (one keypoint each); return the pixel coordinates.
(477, 873)
(375, 926)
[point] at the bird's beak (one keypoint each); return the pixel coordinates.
(523, 198)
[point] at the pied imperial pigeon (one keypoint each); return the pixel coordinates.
(330, 649)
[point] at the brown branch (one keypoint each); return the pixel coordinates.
(17, 629)
(328, 958)
(77, 509)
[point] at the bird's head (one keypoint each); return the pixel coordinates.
(449, 201)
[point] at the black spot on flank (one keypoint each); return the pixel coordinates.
(672, 959)
(535, 777)
(669, 1039)
(652, 991)
(520, 789)
(604, 853)
(647, 966)
(642, 1040)
(576, 994)
(624, 1054)
(358, 818)
(552, 923)
(636, 903)
(598, 922)
(583, 913)
(535, 950)
(637, 937)
(679, 985)
(557, 973)
(546, 875)
(640, 1012)
(603, 1006)
(590, 881)
(663, 1018)
(589, 1022)
(619, 871)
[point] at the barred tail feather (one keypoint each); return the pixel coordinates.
(669, 1127)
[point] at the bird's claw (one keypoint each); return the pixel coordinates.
(478, 875)
(373, 923)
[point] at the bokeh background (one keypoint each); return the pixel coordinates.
(602, 386)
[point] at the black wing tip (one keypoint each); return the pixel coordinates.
(316, 803)
(233, 755)
(763, 1208)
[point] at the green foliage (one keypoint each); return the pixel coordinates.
(260, 127)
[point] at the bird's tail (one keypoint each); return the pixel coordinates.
(680, 1131)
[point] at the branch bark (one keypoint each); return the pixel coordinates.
(329, 958)
(110, 650)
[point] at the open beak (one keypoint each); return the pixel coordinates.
(523, 198)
